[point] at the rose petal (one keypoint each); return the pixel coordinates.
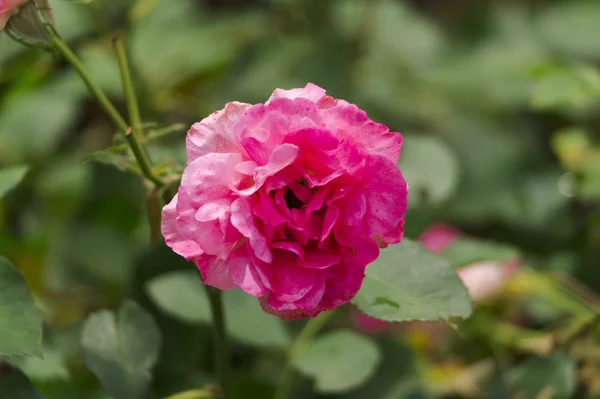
(214, 272)
(241, 219)
(244, 273)
(310, 92)
(215, 133)
(185, 247)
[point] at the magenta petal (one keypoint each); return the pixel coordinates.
(313, 297)
(244, 274)
(208, 178)
(215, 132)
(386, 196)
(301, 192)
(352, 124)
(310, 92)
(331, 217)
(289, 246)
(319, 259)
(316, 201)
(263, 124)
(353, 207)
(185, 247)
(267, 211)
(289, 311)
(241, 219)
(214, 272)
(281, 157)
(214, 210)
(290, 281)
(258, 151)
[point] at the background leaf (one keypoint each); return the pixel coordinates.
(553, 376)
(339, 361)
(122, 352)
(15, 385)
(20, 320)
(430, 169)
(180, 294)
(10, 177)
(407, 282)
(465, 251)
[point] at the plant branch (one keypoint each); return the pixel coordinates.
(108, 107)
(132, 103)
(220, 341)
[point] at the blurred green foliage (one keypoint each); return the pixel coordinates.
(498, 102)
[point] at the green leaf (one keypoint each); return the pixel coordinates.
(10, 177)
(15, 385)
(566, 88)
(122, 353)
(51, 367)
(180, 294)
(554, 375)
(203, 45)
(465, 251)
(572, 27)
(430, 169)
(408, 282)
(32, 125)
(339, 361)
(398, 375)
(20, 320)
(403, 33)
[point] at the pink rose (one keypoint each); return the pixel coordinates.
(483, 280)
(287, 200)
(9, 8)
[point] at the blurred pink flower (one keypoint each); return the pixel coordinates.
(8, 8)
(288, 200)
(483, 280)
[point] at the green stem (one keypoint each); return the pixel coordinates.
(112, 112)
(306, 336)
(220, 341)
(132, 104)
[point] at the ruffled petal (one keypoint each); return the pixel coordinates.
(386, 195)
(242, 220)
(214, 272)
(244, 274)
(352, 124)
(281, 157)
(310, 92)
(215, 132)
(183, 246)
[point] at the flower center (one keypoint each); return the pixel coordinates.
(291, 200)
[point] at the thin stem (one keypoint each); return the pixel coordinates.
(220, 341)
(132, 104)
(134, 134)
(112, 112)
(94, 89)
(306, 336)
